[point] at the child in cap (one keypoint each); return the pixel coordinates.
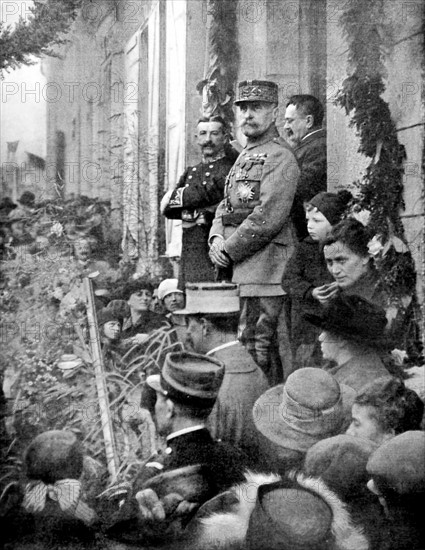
(306, 278)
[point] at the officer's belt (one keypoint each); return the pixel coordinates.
(235, 218)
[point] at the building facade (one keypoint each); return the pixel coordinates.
(123, 126)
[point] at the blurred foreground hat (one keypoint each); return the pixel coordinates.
(189, 378)
(399, 464)
(211, 299)
(353, 318)
(166, 287)
(341, 462)
(288, 518)
(310, 406)
(54, 455)
(299, 513)
(331, 205)
(257, 90)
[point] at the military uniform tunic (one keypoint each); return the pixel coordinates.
(254, 219)
(194, 201)
(254, 214)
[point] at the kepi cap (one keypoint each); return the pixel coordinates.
(211, 299)
(257, 90)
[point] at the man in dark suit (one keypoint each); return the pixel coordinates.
(303, 127)
(193, 466)
(196, 196)
(212, 313)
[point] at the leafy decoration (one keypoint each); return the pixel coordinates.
(381, 189)
(44, 28)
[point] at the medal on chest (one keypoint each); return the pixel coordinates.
(244, 191)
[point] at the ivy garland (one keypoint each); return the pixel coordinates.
(381, 190)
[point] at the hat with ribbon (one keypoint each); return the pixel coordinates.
(257, 90)
(189, 378)
(354, 318)
(211, 299)
(310, 406)
(54, 464)
(166, 287)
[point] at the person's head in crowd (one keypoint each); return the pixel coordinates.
(383, 409)
(5, 234)
(139, 294)
(324, 211)
(350, 326)
(186, 390)
(304, 114)
(212, 136)
(6, 206)
(397, 477)
(257, 106)
(17, 228)
(212, 314)
(27, 199)
(82, 249)
(346, 252)
(310, 406)
(110, 324)
(170, 296)
(301, 513)
(341, 462)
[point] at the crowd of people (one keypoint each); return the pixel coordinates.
(282, 419)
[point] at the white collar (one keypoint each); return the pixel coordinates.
(185, 431)
(223, 346)
(311, 133)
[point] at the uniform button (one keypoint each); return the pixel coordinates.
(230, 186)
(204, 183)
(253, 234)
(252, 223)
(261, 209)
(264, 222)
(207, 173)
(190, 177)
(193, 169)
(187, 185)
(168, 450)
(211, 166)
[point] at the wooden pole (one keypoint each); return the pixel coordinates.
(102, 392)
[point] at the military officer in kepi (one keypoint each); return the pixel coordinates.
(252, 229)
(196, 196)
